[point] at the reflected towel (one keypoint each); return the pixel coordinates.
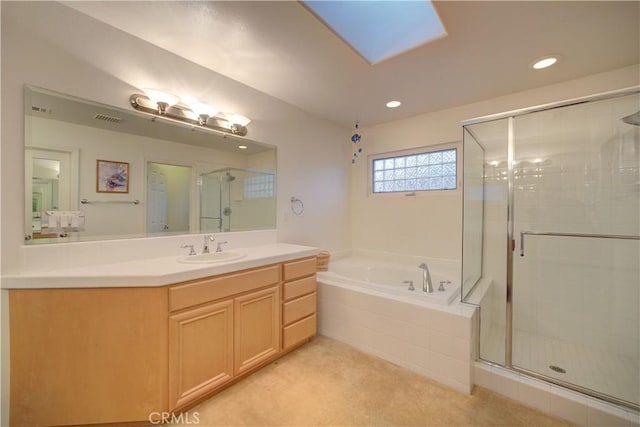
(53, 220)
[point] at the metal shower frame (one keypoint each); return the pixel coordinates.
(511, 243)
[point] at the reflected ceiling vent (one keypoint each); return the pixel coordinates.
(106, 118)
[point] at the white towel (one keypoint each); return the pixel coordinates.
(53, 220)
(75, 220)
(64, 221)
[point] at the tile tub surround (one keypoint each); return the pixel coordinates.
(434, 341)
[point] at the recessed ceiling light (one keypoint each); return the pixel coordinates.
(242, 147)
(393, 104)
(545, 62)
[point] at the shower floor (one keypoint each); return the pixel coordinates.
(598, 370)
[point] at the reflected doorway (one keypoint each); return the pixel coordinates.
(48, 187)
(168, 198)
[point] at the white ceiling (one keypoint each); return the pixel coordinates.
(283, 50)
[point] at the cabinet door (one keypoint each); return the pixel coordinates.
(86, 356)
(200, 351)
(257, 328)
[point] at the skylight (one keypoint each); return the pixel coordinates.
(378, 30)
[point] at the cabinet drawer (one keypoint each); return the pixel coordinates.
(299, 287)
(300, 268)
(201, 291)
(299, 308)
(298, 332)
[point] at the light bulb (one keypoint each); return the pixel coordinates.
(237, 119)
(202, 108)
(161, 98)
(203, 111)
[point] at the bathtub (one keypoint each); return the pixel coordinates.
(388, 274)
(363, 302)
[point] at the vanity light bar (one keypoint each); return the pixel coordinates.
(142, 103)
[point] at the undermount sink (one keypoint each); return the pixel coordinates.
(212, 257)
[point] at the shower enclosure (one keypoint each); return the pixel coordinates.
(551, 250)
(233, 199)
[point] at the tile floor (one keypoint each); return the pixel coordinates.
(326, 382)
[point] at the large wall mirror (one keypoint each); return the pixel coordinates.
(96, 172)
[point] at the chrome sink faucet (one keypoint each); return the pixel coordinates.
(207, 238)
(427, 286)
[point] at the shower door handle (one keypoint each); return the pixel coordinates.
(554, 234)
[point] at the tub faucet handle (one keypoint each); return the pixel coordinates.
(410, 282)
(442, 283)
(219, 248)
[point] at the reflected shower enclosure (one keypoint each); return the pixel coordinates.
(551, 236)
(233, 199)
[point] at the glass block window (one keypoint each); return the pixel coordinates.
(435, 170)
(257, 187)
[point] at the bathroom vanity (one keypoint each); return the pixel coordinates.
(94, 353)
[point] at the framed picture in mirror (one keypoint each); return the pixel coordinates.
(112, 177)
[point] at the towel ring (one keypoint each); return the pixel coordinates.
(297, 207)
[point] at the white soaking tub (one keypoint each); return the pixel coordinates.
(386, 273)
(363, 302)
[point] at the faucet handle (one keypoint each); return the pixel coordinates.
(219, 248)
(191, 251)
(442, 282)
(410, 282)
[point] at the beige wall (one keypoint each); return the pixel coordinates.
(431, 225)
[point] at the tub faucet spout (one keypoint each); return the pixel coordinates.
(427, 286)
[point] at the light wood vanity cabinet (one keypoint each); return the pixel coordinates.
(221, 327)
(87, 356)
(299, 302)
(200, 351)
(108, 355)
(257, 328)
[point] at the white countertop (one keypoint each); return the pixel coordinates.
(154, 271)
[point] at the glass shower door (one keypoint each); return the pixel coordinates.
(576, 265)
(484, 252)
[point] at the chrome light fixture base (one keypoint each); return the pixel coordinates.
(142, 103)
